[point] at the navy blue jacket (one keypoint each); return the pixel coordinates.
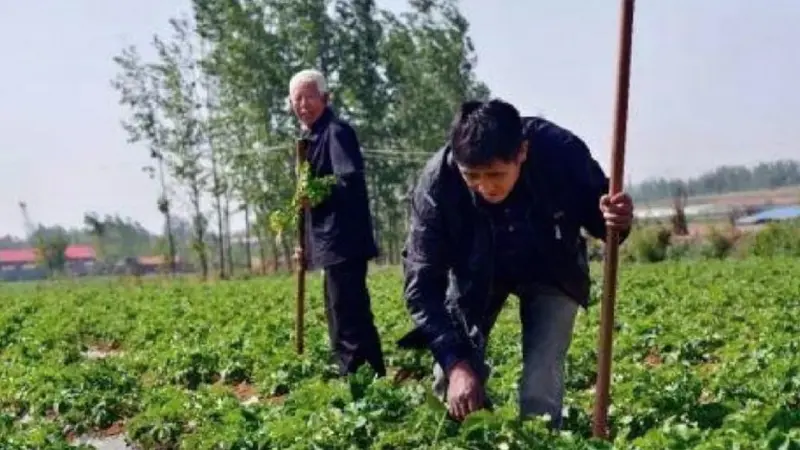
(341, 226)
(447, 257)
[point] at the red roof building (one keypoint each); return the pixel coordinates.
(80, 252)
(22, 256)
(17, 256)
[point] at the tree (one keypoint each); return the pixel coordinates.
(218, 184)
(428, 60)
(138, 90)
(51, 246)
(97, 228)
(219, 122)
(176, 94)
(680, 226)
(249, 58)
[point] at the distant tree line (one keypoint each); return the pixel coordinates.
(115, 239)
(722, 180)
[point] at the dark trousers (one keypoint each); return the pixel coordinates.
(351, 327)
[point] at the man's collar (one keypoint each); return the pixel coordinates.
(323, 120)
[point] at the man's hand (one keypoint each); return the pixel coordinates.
(465, 392)
(617, 210)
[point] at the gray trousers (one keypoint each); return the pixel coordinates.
(548, 318)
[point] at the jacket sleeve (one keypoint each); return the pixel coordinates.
(592, 183)
(425, 267)
(347, 163)
(345, 152)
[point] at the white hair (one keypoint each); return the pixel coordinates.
(306, 76)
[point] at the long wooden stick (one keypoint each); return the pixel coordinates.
(600, 426)
(302, 151)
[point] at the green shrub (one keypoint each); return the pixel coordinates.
(647, 244)
(719, 244)
(655, 243)
(681, 250)
(775, 239)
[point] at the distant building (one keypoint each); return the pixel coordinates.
(155, 264)
(80, 259)
(654, 213)
(771, 215)
(22, 263)
(708, 211)
(150, 265)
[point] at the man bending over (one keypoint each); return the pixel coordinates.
(498, 211)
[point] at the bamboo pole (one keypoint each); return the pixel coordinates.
(600, 425)
(301, 156)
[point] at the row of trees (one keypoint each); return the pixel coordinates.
(722, 180)
(113, 237)
(117, 240)
(211, 108)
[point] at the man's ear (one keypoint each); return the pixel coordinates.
(326, 97)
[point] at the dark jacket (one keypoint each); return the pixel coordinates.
(447, 256)
(341, 226)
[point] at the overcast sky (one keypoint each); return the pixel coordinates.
(713, 82)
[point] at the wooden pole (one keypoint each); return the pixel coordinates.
(302, 152)
(600, 426)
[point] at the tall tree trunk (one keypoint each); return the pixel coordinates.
(247, 251)
(164, 206)
(288, 253)
(275, 252)
(170, 242)
(376, 222)
(228, 243)
(262, 250)
(218, 207)
(391, 239)
(199, 229)
(397, 234)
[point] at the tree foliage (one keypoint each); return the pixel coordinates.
(212, 105)
(51, 246)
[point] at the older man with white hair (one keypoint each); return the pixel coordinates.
(340, 232)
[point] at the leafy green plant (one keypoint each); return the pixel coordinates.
(212, 366)
(776, 239)
(314, 189)
(647, 244)
(719, 243)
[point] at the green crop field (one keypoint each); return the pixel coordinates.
(707, 355)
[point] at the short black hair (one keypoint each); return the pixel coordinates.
(484, 132)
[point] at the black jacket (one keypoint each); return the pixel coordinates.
(447, 256)
(341, 226)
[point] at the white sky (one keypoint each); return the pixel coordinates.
(713, 82)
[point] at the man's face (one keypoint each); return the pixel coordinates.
(493, 182)
(308, 102)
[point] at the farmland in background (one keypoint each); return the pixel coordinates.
(789, 195)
